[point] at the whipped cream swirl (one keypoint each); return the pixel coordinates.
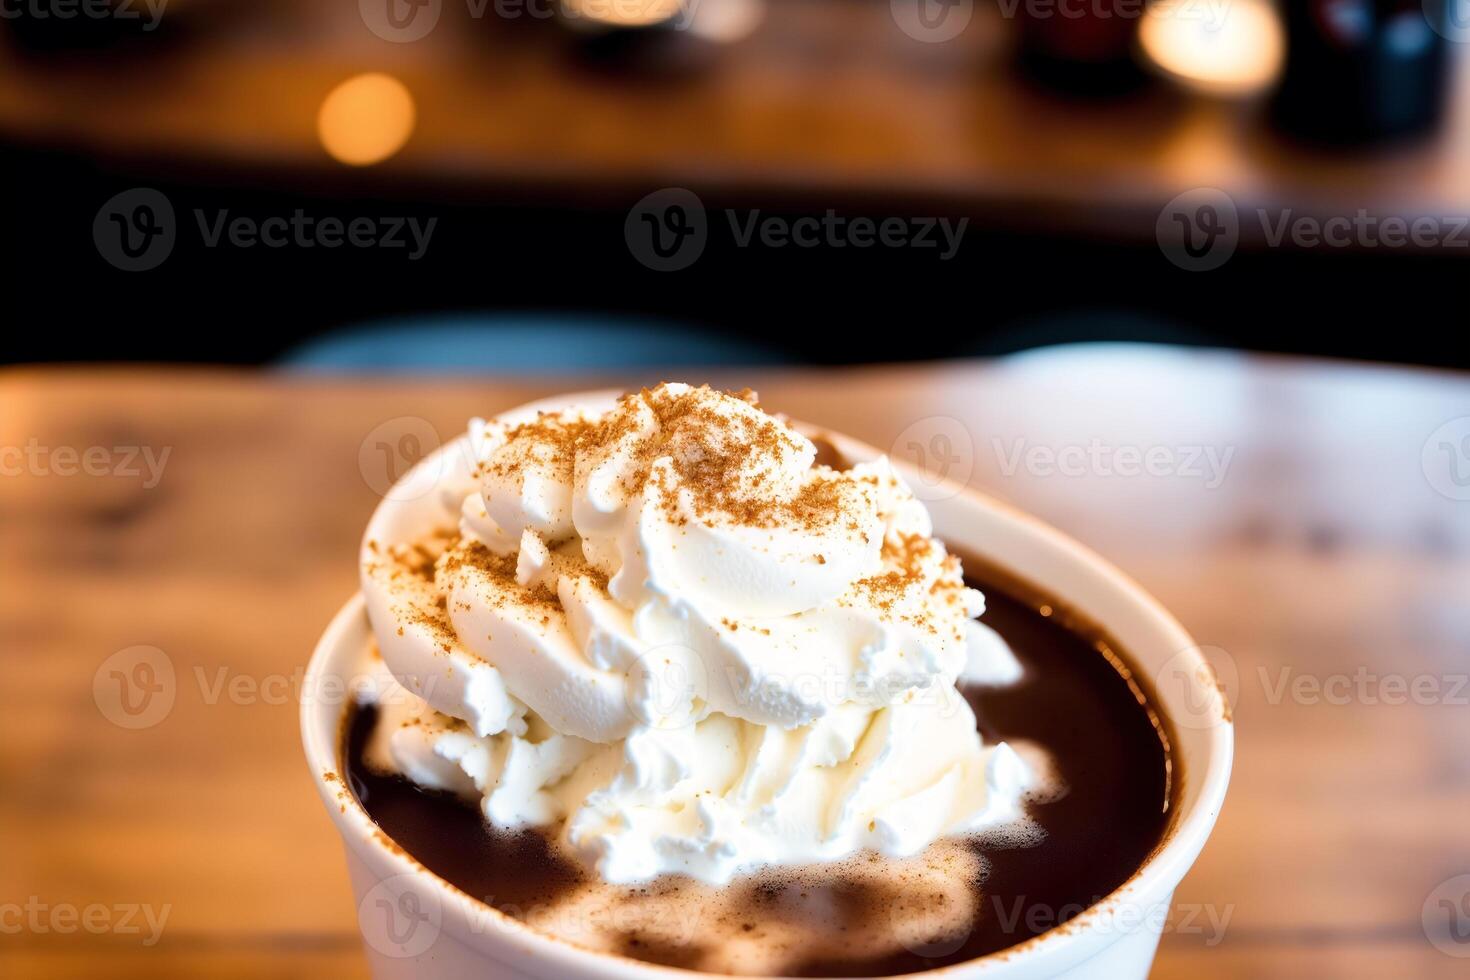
(666, 633)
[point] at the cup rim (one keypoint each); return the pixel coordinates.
(1152, 881)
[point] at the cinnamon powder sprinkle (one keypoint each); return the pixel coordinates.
(501, 571)
(549, 440)
(887, 589)
(725, 462)
(727, 465)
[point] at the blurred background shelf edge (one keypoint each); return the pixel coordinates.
(527, 145)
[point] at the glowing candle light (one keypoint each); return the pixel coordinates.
(366, 119)
(623, 13)
(1232, 47)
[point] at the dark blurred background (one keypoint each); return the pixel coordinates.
(532, 132)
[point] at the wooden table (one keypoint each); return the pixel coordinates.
(1325, 550)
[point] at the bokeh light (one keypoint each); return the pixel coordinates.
(1236, 49)
(366, 119)
(622, 13)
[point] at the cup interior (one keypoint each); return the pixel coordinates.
(1175, 667)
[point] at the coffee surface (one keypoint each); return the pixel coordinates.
(866, 916)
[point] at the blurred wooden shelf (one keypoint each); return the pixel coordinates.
(828, 100)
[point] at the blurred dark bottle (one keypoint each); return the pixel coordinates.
(1081, 46)
(44, 27)
(1359, 71)
(653, 38)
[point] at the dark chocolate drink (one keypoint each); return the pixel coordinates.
(1079, 701)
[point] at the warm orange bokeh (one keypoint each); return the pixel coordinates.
(366, 119)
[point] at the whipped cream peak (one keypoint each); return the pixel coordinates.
(665, 626)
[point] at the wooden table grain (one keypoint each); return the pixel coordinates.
(1301, 517)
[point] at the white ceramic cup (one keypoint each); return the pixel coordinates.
(414, 924)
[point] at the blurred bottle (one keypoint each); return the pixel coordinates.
(1082, 46)
(1364, 70)
(89, 27)
(659, 36)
